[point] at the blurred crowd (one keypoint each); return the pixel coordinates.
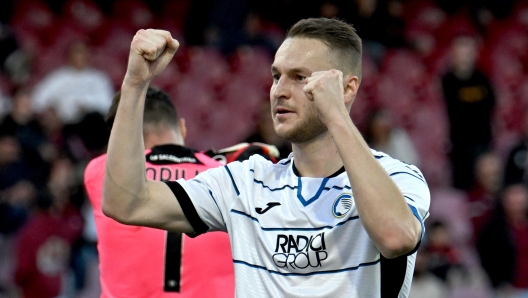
(445, 87)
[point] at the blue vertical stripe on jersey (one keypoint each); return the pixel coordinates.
(232, 180)
(415, 212)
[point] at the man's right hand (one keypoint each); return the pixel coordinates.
(150, 52)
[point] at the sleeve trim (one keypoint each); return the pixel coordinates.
(415, 212)
(188, 209)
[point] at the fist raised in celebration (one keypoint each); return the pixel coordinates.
(150, 52)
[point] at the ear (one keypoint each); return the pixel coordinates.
(183, 128)
(351, 86)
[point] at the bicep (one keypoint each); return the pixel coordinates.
(162, 210)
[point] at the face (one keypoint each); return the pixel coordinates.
(294, 115)
(488, 172)
(515, 201)
(79, 55)
(464, 52)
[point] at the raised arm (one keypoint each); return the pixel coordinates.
(128, 196)
(382, 208)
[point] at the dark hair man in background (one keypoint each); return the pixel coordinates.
(146, 262)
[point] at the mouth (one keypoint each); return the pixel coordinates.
(282, 111)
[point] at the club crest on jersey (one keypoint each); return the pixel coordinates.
(342, 204)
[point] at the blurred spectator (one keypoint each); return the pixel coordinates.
(442, 255)
(15, 205)
(45, 242)
(379, 23)
(88, 138)
(254, 34)
(503, 243)
(264, 132)
(14, 61)
(383, 135)
(426, 284)
(482, 195)
(517, 161)
(75, 89)
(53, 128)
(16, 185)
(196, 21)
(23, 125)
(486, 11)
(226, 24)
(470, 101)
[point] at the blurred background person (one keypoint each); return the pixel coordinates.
(503, 243)
(17, 185)
(384, 135)
(75, 89)
(22, 123)
(470, 99)
(425, 283)
(483, 194)
(517, 159)
(178, 266)
(443, 258)
(45, 243)
(71, 102)
(15, 63)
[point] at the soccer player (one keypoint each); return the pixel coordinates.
(147, 262)
(334, 219)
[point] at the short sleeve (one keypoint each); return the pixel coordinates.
(210, 195)
(414, 188)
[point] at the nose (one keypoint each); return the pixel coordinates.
(281, 89)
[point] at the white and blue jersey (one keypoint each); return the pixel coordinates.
(295, 236)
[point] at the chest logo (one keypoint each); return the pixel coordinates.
(270, 205)
(342, 205)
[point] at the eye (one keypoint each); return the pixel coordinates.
(276, 77)
(301, 78)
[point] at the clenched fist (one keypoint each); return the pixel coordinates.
(326, 90)
(150, 52)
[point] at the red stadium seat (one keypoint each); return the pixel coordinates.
(85, 16)
(207, 65)
(34, 23)
(133, 14)
(252, 64)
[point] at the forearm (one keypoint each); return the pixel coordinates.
(125, 182)
(381, 206)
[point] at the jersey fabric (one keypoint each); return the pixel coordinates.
(296, 236)
(145, 262)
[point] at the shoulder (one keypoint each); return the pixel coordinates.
(256, 167)
(391, 164)
(257, 163)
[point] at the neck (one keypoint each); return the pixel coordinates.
(463, 72)
(162, 137)
(317, 157)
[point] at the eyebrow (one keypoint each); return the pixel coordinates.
(293, 70)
